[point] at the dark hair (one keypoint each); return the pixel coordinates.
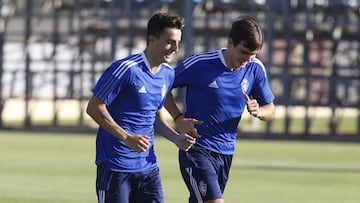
(246, 29)
(160, 21)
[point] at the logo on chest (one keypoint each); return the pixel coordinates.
(213, 84)
(142, 90)
(244, 85)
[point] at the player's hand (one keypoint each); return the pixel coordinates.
(184, 141)
(252, 106)
(139, 143)
(187, 126)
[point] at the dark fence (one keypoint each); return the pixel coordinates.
(52, 52)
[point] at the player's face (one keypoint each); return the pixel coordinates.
(167, 44)
(241, 55)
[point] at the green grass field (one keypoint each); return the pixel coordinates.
(54, 168)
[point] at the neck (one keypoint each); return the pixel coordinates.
(154, 66)
(227, 60)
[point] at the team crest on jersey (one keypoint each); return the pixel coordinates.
(244, 85)
(202, 188)
(163, 91)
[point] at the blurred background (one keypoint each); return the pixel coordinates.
(53, 51)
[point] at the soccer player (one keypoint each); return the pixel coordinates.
(127, 103)
(220, 84)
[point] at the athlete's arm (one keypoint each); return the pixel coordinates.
(96, 109)
(182, 141)
(185, 125)
(171, 106)
(265, 112)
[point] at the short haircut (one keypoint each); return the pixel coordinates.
(160, 21)
(245, 29)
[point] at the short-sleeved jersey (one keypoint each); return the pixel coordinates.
(214, 94)
(132, 95)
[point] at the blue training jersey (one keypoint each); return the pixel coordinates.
(214, 94)
(132, 95)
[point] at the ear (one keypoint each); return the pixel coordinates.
(230, 42)
(151, 39)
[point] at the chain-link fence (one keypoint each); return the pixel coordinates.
(53, 51)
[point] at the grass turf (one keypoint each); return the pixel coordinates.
(51, 167)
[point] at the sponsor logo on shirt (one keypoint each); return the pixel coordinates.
(142, 90)
(213, 85)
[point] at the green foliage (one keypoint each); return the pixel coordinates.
(51, 167)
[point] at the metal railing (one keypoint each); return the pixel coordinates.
(55, 51)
